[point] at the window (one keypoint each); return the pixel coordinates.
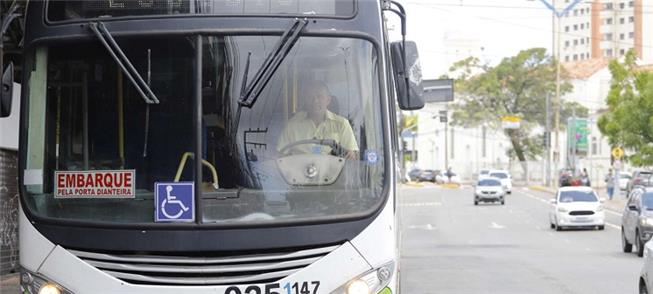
(567, 58)
(631, 4)
(608, 20)
(575, 42)
(608, 6)
(582, 41)
(631, 35)
(594, 146)
(575, 57)
(575, 27)
(622, 36)
(622, 52)
(631, 19)
(608, 52)
(75, 92)
(607, 37)
(566, 43)
(582, 26)
(622, 20)
(578, 196)
(622, 5)
(575, 12)
(566, 28)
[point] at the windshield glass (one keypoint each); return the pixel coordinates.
(499, 175)
(311, 147)
(489, 182)
(577, 196)
(647, 200)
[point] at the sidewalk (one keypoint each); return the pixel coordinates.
(617, 203)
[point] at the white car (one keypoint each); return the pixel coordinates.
(576, 206)
(484, 173)
(624, 177)
(646, 274)
(489, 190)
(504, 176)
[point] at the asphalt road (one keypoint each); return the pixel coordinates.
(451, 246)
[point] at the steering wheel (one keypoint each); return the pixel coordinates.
(336, 149)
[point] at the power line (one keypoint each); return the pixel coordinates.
(534, 28)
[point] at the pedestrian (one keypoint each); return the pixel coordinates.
(585, 178)
(609, 181)
(449, 174)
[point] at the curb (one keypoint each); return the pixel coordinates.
(414, 184)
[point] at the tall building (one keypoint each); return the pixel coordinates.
(601, 28)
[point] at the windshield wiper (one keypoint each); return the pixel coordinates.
(272, 61)
(118, 55)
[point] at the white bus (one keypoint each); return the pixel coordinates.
(174, 146)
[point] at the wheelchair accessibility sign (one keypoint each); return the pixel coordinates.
(175, 201)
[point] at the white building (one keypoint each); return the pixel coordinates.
(467, 149)
(604, 28)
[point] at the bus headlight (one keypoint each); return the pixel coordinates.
(371, 282)
(31, 283)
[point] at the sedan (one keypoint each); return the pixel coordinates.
(489, 190)
(646, 274)
(637, 220)
(576, 207)
(504, 177)
(624, 178)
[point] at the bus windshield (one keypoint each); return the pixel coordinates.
(311, 148)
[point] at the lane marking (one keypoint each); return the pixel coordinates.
(421, 204)
(496, 226)
(427, 227)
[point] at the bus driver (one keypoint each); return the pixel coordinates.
(317, 122)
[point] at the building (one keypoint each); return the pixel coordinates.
(603, 28)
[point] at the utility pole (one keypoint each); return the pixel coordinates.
(556, 104)
(445, 119)
(547, 139)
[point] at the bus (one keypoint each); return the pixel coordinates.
(173, 146)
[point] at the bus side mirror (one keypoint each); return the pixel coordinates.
(407, 75)
(7, 91)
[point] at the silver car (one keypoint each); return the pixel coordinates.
(489, 190)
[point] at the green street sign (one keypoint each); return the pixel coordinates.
(577, 134)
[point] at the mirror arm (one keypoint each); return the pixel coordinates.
(401, 12)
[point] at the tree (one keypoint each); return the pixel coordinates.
(517, 86)
(629, 119)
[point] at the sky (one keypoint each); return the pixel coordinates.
(500, 27)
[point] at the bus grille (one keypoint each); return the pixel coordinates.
(201, 271)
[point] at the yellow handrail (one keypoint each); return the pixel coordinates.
(182, 163)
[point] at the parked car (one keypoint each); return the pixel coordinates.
(504, 176)
(483, 173)
(489, 190)
(566, 177)
(646, 274)
(576, 207)
(413, 174)
(428, 175)
(637, 220)
(640, 178)
(624, 178)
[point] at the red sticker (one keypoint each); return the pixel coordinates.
(94, 184)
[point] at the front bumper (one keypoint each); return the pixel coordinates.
(489, 197)
(566, 220)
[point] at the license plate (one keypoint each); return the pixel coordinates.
(276, 288)
(581, 220)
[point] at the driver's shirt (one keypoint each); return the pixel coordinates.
(300, 127)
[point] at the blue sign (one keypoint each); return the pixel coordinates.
(175, 201)
(371, 156)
